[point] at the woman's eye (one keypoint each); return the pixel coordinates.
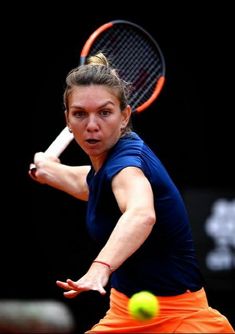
(79, 114)
(105, 112)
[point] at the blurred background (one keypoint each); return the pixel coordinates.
(189, 126)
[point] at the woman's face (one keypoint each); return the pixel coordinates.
(95, 118)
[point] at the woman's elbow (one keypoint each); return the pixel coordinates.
(149, 219)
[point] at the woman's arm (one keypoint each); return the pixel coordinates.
(70, 179)
(134, 196)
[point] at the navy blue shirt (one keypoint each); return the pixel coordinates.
(166, 263)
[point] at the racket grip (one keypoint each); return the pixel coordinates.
(60, 143)
(57, 146)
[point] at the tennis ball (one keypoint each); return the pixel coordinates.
(143, 305)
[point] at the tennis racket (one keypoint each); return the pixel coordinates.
(137, 57)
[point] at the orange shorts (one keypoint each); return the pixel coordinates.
(186, 313)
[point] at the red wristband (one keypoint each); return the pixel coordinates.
(104, 263)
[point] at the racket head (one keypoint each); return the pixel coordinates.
(135, 54)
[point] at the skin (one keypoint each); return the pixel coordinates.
(95, 118)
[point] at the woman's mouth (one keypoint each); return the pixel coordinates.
(92, 141)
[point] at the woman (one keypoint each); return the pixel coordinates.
(134, 212)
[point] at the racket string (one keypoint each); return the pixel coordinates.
(136, 58)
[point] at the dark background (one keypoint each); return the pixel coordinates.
(190, 127)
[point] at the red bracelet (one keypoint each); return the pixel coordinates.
(104, 263)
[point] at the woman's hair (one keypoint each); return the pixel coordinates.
(97, 71)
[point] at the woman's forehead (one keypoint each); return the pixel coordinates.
(100, 94)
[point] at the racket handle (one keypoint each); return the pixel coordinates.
(60, 143)
(57, 146)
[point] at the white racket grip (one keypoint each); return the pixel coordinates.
(57, 146)
(60, 143)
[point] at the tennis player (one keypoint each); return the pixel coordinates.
(135, 212)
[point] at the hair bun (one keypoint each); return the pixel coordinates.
(98, 59)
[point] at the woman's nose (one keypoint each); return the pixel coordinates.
(92, 123)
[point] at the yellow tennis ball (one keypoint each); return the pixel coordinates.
(143, 305)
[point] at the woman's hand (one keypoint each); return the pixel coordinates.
(37, 169)
(95, 279)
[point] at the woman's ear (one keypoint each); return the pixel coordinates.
(126, 114)
(67, 120)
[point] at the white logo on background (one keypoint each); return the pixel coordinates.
(220, 226)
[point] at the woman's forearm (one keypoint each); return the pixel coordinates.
(132, 229)
(70, 179)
